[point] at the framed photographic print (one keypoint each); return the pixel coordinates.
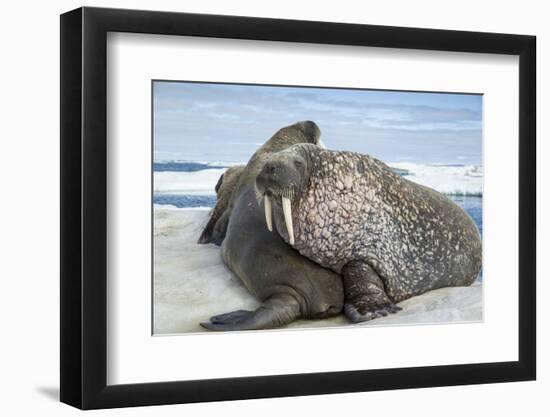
(258, 207)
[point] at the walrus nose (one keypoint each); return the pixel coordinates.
(271, 171)
(270, 168)
(263, 178)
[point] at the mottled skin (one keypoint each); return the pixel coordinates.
(217, 224)
(390, 238)
(289, 285)
(300, 132)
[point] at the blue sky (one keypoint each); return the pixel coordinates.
(221, 122)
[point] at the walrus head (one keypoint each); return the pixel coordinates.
(281, 181)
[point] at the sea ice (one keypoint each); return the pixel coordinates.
(447, 179)
(191, 183)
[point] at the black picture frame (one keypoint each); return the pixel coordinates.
(84, 207)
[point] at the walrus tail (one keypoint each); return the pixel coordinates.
(276, 311)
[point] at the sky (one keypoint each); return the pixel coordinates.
(209, 122)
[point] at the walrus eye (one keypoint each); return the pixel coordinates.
(298, 163)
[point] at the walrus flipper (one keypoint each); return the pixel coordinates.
(274, 312)
(215, 230)
(365, 296)
(220, 229)
(206, 235)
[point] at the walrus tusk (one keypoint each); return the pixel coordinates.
(267, 207)
(287, 211)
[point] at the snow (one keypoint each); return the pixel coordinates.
(189, 183)
(191, 284)
(447, 179)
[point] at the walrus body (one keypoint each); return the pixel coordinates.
(289, 285)
(390, 238)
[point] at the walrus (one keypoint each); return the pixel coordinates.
(388, 237)
(300, 132)
(289, 285)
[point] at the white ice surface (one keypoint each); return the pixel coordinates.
(447, 179)
(190, 183)
(191, 284)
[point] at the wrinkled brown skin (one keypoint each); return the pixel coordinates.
(289, 285)
(301, 132)
(390, 238)
(217, 224)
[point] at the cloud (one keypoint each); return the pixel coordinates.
(213, 119)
